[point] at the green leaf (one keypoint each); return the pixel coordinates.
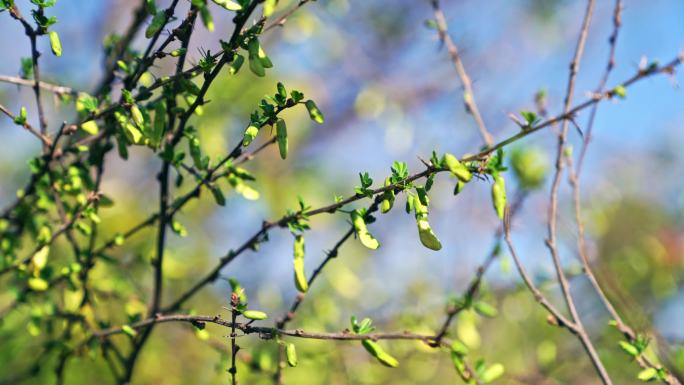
(499, 195)
(255, 315)
(530, 118)
(129, 330)
(648, 374)
(228, 4)
(236, 64)
(39, 259)
(485, 309)
(250, 134)
(620, 91)
(256, 67)
(178, 228)
(314, 113)
(387, 198)
(629, 348)
(457, 168)
(281, 138)
(376, 351)
(157, 23)
(492, 373)
(26, 67)
(425, 233)
(218, 195)
(137, 116)
(38, 284)
(55, 44)
(21, 118)
(151, 7)
(362, 231)
(459, 348)
(90, 127)
(291, 354)
(207, 19)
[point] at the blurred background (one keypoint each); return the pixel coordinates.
(389, 92)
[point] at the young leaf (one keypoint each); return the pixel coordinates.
(314, 113)
(90, 127)
(647, 374)
(629, 348)
(492, 373)
(228, 4)
(55, 44)
(457, 168)
(207, 19)
(250, 134)
(129, 330)
(301, 282)
(387, 198)
(236, 64)
(281, 137)
(218, 195)
(425, 233)
(291, 354)
(137, 116)
(499, 195)
(362, 231)
(157, 23)
(254, 315)
(269, 7)
(38, 284)
(485, 309)
(376, 351)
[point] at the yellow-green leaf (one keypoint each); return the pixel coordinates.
(457, 168)
(38, 284)
(314, 113)
(291, 354)
(90, 127)
(255, 315)
(228, 4)
(499, 195)
(55, 44)
(281, 137)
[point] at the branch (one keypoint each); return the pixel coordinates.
(268, 333)
(43, 138)
(553, 209)
(54, 88)
(33, 35)
(468, 94)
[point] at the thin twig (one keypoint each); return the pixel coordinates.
(551, 242)
(43, 138)
(468, 94)
(54, 88)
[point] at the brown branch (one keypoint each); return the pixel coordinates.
(612, 41)
(43, 138)
(268, 332)
(558, 317)
(468, 94)
(54, 88)
(33, 35)
(282, 19)
(551, 242)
